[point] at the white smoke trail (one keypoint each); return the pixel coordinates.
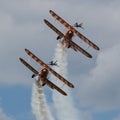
(39, 105)
(64, 104)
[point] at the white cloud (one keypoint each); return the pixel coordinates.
(100, 89)
(3, 116)
(22, 22)
(21, 27)
(117, 118)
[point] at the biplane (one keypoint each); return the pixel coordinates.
(67, 37)
(43, 73)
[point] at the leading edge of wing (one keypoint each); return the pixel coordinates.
(53, 86)
(28, 66)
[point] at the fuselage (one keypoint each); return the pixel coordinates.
(42, 76)
(68, 37)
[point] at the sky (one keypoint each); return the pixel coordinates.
(97, 93)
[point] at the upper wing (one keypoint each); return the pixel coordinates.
(53, 86)
(54, 28)
(74, 30)
(60, 19)
(75, 46)
(48, 68)
(28, 66)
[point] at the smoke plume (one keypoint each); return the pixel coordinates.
(39, 105)
(64, 105)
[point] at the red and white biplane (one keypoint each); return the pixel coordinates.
(43, 73)
(67, 38)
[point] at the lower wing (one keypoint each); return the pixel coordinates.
(53, 86)
(76, 47)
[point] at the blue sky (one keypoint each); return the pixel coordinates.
(96, 94)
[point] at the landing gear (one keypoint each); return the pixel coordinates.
(58, 37)
(43, 84)
(69, 46)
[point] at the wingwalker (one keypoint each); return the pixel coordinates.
(43, 73)
(67, 37)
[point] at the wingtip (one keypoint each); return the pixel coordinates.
(21, 59)
(45, 20)
(50, 11)
(98, 48)
(90, 56)
(26, 49)
(65, 94)
(73, 86)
